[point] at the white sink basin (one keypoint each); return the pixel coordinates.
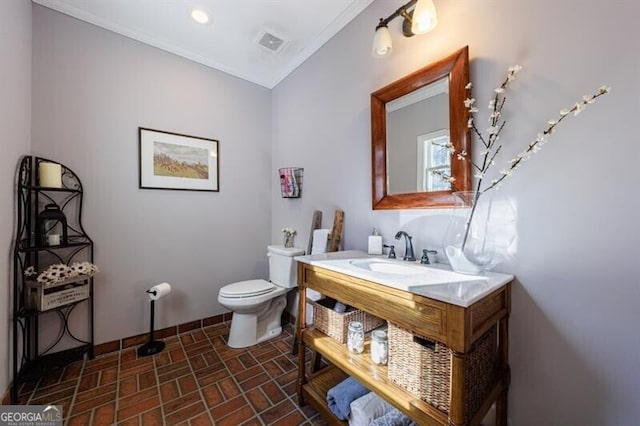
(387, 267)
(403, 274)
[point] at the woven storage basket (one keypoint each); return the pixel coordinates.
(336, 324)
(423, 368)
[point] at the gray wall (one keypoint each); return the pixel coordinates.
(91, 91)
(574, 342)
(15, 137)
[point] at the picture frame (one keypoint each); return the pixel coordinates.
(175, 161)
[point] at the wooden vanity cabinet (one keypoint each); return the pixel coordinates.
(454, 326)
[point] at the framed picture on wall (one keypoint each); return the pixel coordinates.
(174, 161)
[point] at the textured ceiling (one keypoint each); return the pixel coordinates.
(229, 42)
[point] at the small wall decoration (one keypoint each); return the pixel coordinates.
(291, 181)
(174, 161)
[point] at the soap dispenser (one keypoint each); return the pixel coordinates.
(375, 242)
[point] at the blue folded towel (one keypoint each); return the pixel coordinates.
(393, 418)
(340, 397)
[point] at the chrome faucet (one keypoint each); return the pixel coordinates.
(392, 251)
(408, 249)
(425, 256)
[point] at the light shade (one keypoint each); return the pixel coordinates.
(424, 17)
(381, 42)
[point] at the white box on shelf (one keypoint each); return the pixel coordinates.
(43, 297)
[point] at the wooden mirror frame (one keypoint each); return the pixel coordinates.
(456, 67)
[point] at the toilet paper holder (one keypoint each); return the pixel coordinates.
(153, 346)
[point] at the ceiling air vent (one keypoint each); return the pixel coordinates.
(271, 42)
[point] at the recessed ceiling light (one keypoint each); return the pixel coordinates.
(200, 16)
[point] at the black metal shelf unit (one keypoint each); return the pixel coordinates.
(32, 255)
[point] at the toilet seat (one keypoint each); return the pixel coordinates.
(250, 288)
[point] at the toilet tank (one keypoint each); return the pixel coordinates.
(283, 269)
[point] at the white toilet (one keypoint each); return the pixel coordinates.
(257, 305)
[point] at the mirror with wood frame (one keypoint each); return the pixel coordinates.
(413, 121)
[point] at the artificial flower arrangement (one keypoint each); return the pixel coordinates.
(288, 233)
(60, 272)
(491, 147)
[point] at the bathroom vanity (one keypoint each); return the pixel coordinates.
(451, 309)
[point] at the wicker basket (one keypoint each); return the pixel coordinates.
(336, 324)
(423, 368)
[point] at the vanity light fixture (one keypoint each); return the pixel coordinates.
(424, 17)
(200, 16)
(419, 20)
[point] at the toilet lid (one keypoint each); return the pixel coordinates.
(247, 288)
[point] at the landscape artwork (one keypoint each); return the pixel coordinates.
(176, 161)
(180, 161)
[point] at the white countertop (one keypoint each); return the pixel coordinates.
(435, 281)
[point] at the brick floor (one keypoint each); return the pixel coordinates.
(196, 380)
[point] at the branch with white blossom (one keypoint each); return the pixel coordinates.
(496, 125)
(542, 138)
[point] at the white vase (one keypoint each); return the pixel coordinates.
(468, 243)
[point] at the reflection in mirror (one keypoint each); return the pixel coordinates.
(418, 139)
(414, 123)
(434, 161)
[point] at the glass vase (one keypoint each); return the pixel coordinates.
(288, 240)
(468, 243)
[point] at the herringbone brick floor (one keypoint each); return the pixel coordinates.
(196, 380)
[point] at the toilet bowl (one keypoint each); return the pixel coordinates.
(257, 305)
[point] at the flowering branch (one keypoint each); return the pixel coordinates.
(496, 125)
(542, 138)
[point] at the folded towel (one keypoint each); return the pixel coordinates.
(340, 397)
(366, 408)
(284, 184)
(393, 418)
(313, 295)
(320, 239)
(292, 182)
(309, 315)
(340, 308)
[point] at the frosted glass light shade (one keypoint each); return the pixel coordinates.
(424, 17)
(381, 43)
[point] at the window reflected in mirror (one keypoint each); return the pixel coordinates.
(434, 161)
